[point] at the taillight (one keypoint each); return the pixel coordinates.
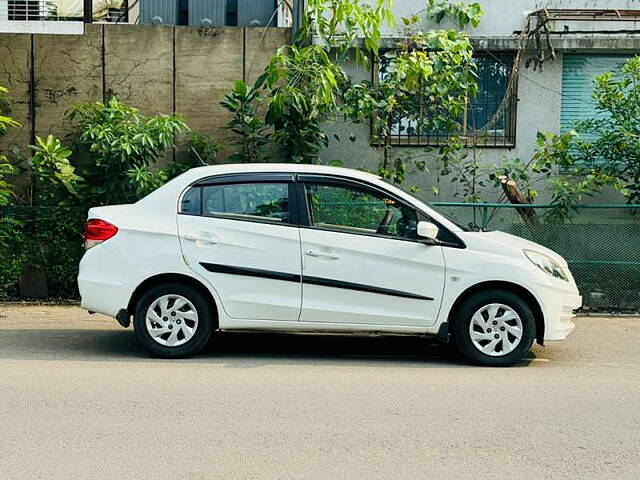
(97, 231)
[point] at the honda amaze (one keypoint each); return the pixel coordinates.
(313, 248)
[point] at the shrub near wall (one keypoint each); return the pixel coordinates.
(49, 238)
(115, 159)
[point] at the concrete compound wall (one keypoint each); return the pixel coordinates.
(157, 69)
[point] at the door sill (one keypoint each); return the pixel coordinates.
(325, 328)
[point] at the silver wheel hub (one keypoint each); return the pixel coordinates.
(495, 329)
(171, 320)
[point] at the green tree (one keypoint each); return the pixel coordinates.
(124, 148)
(304, 87)
(601, 152)
(307, 85)
(555, 170)
(5, 121)
(56, 176)
(609, 145)
(11, 236)
(433, 69)
(250, 136)
(304, 82)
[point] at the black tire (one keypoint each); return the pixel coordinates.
(462, 337)
(204, 309)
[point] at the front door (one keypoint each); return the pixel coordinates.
(362, 263)
(240, 234)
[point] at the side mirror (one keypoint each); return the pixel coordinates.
(427, 230)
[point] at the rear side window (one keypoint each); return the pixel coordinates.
(191, 202)
(241, 201)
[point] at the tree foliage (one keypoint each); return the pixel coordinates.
(306, 83)
(5, 121)
(250, 136)
(340, 25)
(461, 12)
(6, 169)
(609, 145)
(599, 152)
(304, 86)
(433, 69)
(124, 148)
(558, 172)
(56, 175)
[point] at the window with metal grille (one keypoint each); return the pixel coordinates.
(54, 10)
(487, 122)
(28, 9)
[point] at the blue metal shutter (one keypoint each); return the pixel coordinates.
(578, 75)
(208, 13)
(159, 12)
(255, 12)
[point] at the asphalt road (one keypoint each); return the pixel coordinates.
(79, 399)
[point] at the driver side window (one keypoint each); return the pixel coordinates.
(353, 209)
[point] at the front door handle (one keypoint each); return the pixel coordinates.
(201, 238)
(321, 254)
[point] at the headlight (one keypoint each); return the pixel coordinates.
(546, 264)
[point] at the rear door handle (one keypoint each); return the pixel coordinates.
(321, 254)
(201, 238)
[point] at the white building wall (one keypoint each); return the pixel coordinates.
(539, 92)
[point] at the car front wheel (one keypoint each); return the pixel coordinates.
(494, 328)
(173, 320)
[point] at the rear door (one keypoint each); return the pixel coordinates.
(362, 261)
(240, 232)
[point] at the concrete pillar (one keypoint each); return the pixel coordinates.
(208, 61)
(67, 71)
(139, 66)
(15, 75)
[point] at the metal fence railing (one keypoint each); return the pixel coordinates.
(601, 243)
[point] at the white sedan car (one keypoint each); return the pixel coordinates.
(312, 248)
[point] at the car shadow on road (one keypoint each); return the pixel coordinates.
(233, 350)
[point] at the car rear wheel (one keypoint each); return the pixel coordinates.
(173, 320)
(494, 328)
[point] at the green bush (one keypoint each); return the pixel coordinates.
(115, 158)
(50, 237)
(124, 148)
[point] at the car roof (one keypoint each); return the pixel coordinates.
(169, 193)
(212, 170)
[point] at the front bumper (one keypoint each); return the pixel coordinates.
(559, 320)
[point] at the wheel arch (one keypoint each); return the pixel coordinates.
(519, 290)
(173, 278)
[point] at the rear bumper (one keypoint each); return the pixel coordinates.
(102, 297)
(101, 282)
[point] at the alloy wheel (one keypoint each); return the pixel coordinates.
(171, 320)
(496, 329)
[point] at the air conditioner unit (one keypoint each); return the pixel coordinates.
(159, 12)
(207, 13)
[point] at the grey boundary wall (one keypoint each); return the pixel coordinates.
(157, 69)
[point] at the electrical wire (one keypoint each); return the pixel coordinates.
(264, 32)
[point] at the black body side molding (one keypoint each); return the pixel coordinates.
(324, 282)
